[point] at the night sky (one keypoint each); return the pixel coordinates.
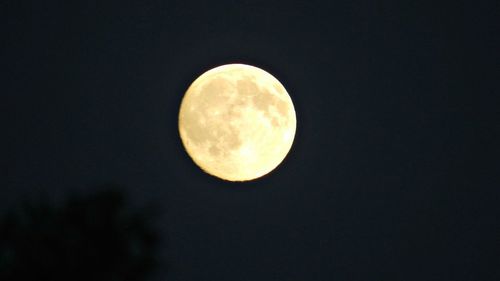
(393, 174)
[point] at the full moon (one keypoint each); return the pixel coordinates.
(237, 122)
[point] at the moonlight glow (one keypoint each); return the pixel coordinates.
(237, 122)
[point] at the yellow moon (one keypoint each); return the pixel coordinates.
(237, 122)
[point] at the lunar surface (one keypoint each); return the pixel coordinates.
(237, 122)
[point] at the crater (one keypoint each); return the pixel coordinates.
(214, 150)
(214, 93)
(247, 87)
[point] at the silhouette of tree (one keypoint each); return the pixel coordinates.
(88, 238)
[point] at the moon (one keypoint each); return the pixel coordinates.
(237, 122)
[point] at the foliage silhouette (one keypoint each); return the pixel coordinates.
(87, 238)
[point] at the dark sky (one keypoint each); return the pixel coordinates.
(393, 174)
